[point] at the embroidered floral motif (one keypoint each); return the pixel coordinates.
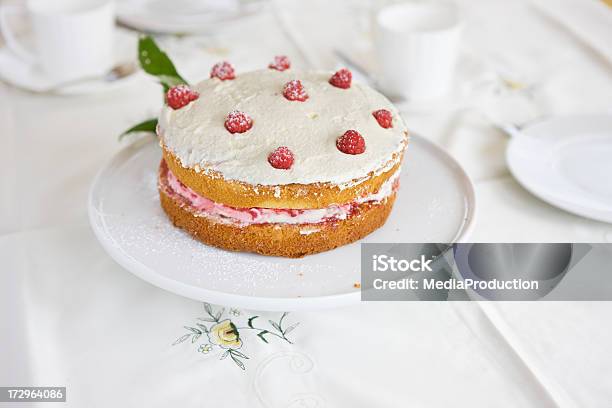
(224, 334)
(205, 348)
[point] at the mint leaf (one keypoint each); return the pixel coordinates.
(157, 63)
(146, 126)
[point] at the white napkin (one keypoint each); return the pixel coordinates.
(589, 20)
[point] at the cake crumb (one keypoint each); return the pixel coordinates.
(357, 285)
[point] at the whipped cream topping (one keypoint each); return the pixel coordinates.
(202, 206)
(196, 135)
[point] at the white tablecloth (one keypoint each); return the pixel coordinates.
(71, 316)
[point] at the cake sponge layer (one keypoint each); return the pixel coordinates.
(287, 240)
(296, 196)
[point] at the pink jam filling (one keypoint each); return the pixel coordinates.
(204, 206)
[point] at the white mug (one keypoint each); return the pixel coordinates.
(417, 44)
(72, 38)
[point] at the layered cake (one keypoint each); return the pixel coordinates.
(278, 161)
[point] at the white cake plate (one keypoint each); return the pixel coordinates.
(435, 204)
(567, 162)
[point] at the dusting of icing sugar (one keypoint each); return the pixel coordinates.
(309, 230)
(376, 173)
(384, 191)
(197, 137)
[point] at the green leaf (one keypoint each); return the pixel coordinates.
(250, 321)
(290, 328)
(239, 354)
(149, 125)
(208, 308)
(201, 326)
(207, 319)
(280, 322)
(195, 337)
(181, 339)
(238, 362)
(275, 325)
(261, 335)
(157, 63)
(168, 82)
(224, 355)
(193, 329)
(219, 314)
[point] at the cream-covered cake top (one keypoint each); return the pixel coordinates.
(197, 135)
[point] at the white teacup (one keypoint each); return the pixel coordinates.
(72, 38)
(417, 43)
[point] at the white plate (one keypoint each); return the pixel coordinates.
(435, 204)
(567, 162)
(183, 16)
(29, 77)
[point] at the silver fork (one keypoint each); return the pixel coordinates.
(116, 73)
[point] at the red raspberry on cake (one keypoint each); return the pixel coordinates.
(238, 122)
(280, 63)
(222, 70)
(294, 91)
(384, 118)
(281, 158)
(351, 142)
(342, 79)
(180, 96)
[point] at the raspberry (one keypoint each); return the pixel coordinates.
(294, 91)
(281, 158)
(384, 118)
(238, 122)
(351, 142)
(280, 63)
(342, 79)
(180, 95)
(222, 70)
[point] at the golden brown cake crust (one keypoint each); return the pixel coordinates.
(297, 196)
(279, 239)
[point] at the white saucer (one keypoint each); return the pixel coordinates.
(29, 77)
(567, 162)
(183, 16)
(435, 204)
